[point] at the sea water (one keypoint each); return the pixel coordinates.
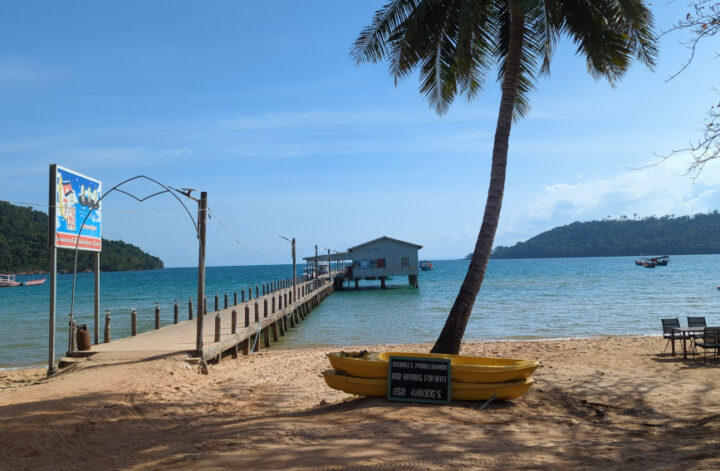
(519, 299)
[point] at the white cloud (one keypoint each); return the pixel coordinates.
(178, 152)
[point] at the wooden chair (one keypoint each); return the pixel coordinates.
(668, 325)
(710, 340)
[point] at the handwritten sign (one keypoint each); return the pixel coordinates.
(418, 379)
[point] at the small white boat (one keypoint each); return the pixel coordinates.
(8, 281)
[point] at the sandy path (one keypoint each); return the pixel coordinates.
(598, 403)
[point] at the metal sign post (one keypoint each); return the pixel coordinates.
(74, 222)
(202, 235)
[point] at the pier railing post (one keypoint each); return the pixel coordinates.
(243, 294)
(133, 322)
(247, 316)
(257, 312)
(226, 301)
(265, 308)
(218, 321)
(233, 322)
(249, 293)
(217, 299)
(235, 298)
(157, 316)
(257, 291)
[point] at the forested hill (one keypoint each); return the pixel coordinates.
(698, 234)
(24, 247)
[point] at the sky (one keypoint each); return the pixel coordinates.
(260, 105)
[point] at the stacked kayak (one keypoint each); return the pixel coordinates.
(473, 378)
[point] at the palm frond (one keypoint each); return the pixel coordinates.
(371, 44)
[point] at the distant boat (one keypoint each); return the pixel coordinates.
(426, 265)
(652, 262)
(8, 281)
(33, 282)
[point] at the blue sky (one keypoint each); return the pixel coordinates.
(259, 104)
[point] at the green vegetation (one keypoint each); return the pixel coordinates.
(24, 247)
(611, 237)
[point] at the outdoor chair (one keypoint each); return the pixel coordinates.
(668, 325)
(710, 340)
(695, 322)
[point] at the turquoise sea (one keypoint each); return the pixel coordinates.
(520, 299)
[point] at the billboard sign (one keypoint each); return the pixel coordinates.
(73, 196)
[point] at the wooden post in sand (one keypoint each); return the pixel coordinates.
(245, 343)
(190, 309)
(107, 327)
(133, 322)
(176, 313)
(157, 316)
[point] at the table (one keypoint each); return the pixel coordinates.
(685, 333)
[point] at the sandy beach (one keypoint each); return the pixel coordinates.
(609, 403)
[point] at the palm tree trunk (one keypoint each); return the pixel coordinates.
(451, 336)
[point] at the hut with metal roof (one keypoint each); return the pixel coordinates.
(377, 259)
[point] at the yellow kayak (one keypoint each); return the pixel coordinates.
(458, 391)
(465, 369)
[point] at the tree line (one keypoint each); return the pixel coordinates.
(695, 234)
(24, 247)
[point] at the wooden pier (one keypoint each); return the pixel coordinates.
(251, 324)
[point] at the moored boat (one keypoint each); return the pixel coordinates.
(458, 391)
(8, 281)
(426, 265)
(652, 262)
(465, 369)
(39, 281)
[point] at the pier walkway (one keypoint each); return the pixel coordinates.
(254, 323)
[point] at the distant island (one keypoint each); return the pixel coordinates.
(684, 235)
(24, 247)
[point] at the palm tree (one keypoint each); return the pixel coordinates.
(455, 43)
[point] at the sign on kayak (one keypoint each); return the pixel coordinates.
(419, 379)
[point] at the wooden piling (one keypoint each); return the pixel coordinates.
(243, 294)
(235, 298)
(233, 322)
(249, 293)
(265, 308)
(226, 301)
(281, 326)
(275, 331)
(217, 299)
(157, 316)
(176, 313)
(190, 309)
(218, 322)
(273, 304)
(257, 291)
(107, 328)
(247, 316)
(257, 312)
(133, 322)
(266, 336)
